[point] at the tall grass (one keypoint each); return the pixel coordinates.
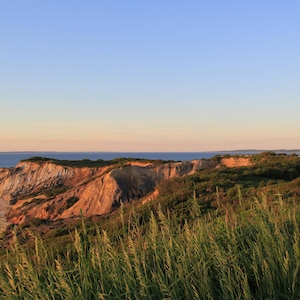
(251, 253)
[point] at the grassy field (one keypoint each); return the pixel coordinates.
(246, 253)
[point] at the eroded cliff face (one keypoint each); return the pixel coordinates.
(51, 191)
(232, 162)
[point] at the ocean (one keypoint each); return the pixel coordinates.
(11, 159)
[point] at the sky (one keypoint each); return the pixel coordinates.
(164, 75)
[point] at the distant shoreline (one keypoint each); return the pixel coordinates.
(11, 159)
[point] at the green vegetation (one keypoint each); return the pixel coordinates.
(89, 163)
(218, 234)
(243, 254)
(49, 192)
(270, 174)
(71, 201)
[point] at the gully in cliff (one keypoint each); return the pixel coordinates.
(54, 189)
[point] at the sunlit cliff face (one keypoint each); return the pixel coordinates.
(50, 191)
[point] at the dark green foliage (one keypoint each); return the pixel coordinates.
(271, 174)
(37, 221)
(71, 201)
(54, 191)
(89, 163)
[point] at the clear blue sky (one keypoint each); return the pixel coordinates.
(149, 75)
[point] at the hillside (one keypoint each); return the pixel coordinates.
(52, 189)
(52, 195)
(226, 229)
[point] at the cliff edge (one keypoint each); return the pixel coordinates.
(49, 190)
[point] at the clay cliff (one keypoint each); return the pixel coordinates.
(47, 190)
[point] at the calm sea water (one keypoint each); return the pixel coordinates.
(10, 159)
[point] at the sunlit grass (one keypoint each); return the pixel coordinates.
(251, 253)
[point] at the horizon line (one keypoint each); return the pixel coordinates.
(66, 151)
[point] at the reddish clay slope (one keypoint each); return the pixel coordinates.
(50, 191)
